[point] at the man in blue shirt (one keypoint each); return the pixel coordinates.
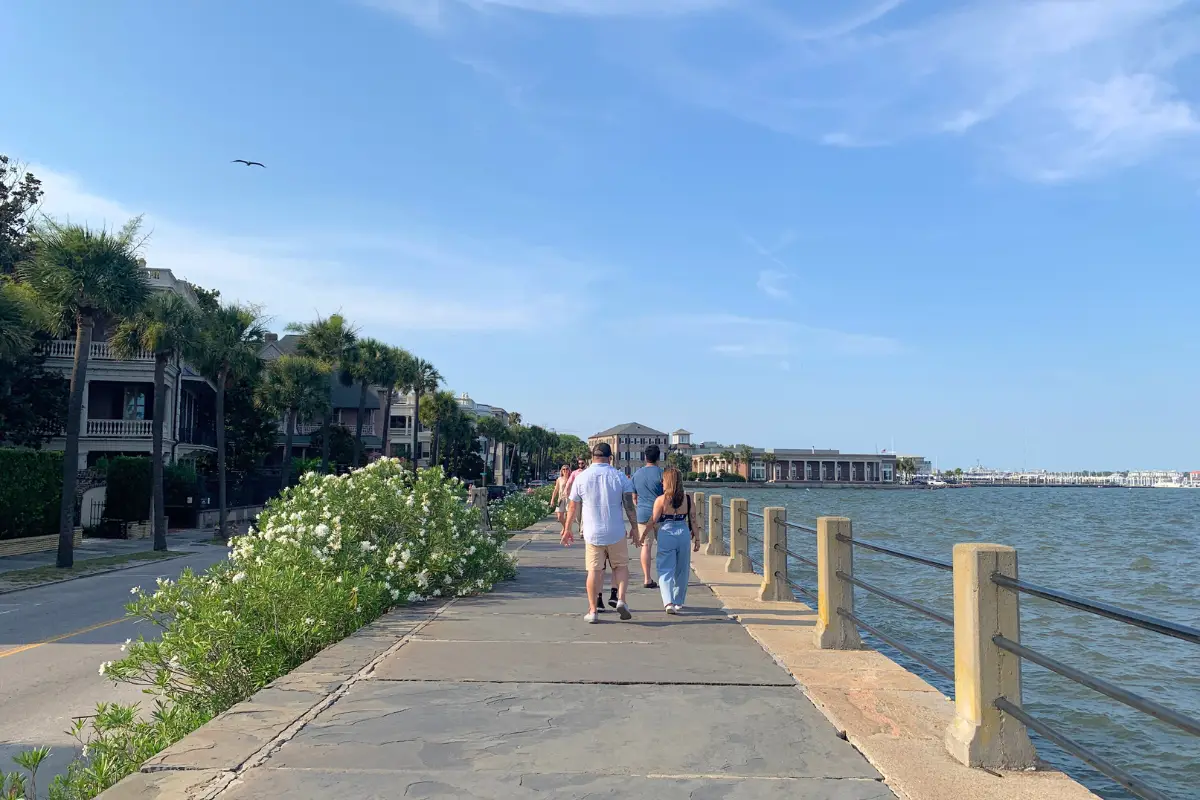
(647, 487)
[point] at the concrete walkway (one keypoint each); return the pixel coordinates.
(511, 695)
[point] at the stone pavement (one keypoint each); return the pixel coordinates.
(511, 695)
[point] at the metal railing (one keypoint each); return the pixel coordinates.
(1184, 722)
(1009, 705)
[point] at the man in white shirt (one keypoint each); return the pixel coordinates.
(604, 497)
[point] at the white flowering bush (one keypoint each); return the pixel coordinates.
(326, 557)
(517, 512)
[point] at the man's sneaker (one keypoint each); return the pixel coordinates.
(612, 598)
(590, 618)
(600, 603)
(623, 610)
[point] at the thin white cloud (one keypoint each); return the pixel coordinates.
(395, 283)
(739, 336)
(773, 283)
(436, 14)
(1060, 89)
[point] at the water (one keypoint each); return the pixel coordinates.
(1139, 549)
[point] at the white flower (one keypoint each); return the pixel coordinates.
(308, 621)
(136, 590)
(437, 592)
(104, 666)
(127, 643)
(412, 597)
(395, 594)
(241, 576)
(339, 579)
(174, 662)
(321, 530)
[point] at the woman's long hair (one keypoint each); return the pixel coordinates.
(564, 468)
(673, 486)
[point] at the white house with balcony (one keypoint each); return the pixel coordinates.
(401, 420)
(118, 398)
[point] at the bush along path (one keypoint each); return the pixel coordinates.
(328, 556)
(516, 512)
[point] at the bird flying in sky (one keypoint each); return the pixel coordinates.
(248, 163)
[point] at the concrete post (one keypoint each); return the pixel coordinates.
(698, 502)
(774, 582)
(833, 631)
(716, 527)
(739, 538)
(980, 735)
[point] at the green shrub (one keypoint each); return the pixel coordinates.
(180, 483)
(127, 497)
(328, 556)
(518, 511)
(30, 492)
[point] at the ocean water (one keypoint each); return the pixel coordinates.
(1136, 548)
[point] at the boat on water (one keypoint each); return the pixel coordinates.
(1167, 485)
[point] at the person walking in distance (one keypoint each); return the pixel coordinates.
(603, 498)
(674, 518)
(558, 498)
(648, 487)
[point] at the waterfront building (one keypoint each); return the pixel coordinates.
(805, 465)
(118, 396)
(628, 442)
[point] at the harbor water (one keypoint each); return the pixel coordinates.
(1137, 548)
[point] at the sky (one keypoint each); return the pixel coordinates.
(967, 230)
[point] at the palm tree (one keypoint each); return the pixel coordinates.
(331, 342)
(770, 459)
(166, 326)
(296, 387)
(226, 351)
(426, 381)
(396, 372)
(21, 315)
(367, 364)
(493, 428)
(81, 275)
(729, 457)
(440, 410)
(745, 456)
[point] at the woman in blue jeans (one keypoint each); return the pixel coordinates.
(675, 521)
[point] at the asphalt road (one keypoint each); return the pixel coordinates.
(52, 642)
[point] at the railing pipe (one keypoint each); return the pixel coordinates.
(1185, 632)
(1145, 705)
(891, 551)
(945, 672)
(895, 598)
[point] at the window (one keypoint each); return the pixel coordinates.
(399, 422)
(135, 403)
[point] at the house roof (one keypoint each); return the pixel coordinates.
(630, 429)
(347, 396)
(285, 346)
(681, 431)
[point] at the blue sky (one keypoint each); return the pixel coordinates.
(970, 228)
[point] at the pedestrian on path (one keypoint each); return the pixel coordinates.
(648, 487)
(558, 498)
(602, 497)
(581, 465)
(674, 520)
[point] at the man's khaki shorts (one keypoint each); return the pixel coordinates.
(617, 555)
(642, 528)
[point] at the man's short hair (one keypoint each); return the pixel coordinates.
(652, 453)
(602, 450)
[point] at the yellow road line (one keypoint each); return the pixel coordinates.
(13, 651)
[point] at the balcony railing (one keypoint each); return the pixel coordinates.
(120, 428)
(309, 428)
(100, 351)
(206, 437)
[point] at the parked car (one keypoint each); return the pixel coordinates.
(496, 492)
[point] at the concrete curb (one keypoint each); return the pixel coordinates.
(117, 568)
(893, 717)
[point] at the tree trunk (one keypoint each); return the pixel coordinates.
(157, 509)
(326, 424)
(222, 500)
(66, 511)
(437, 443)
(387, 425)
(416, 425)
(495, 447)
(285, 470)
(358, 423)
